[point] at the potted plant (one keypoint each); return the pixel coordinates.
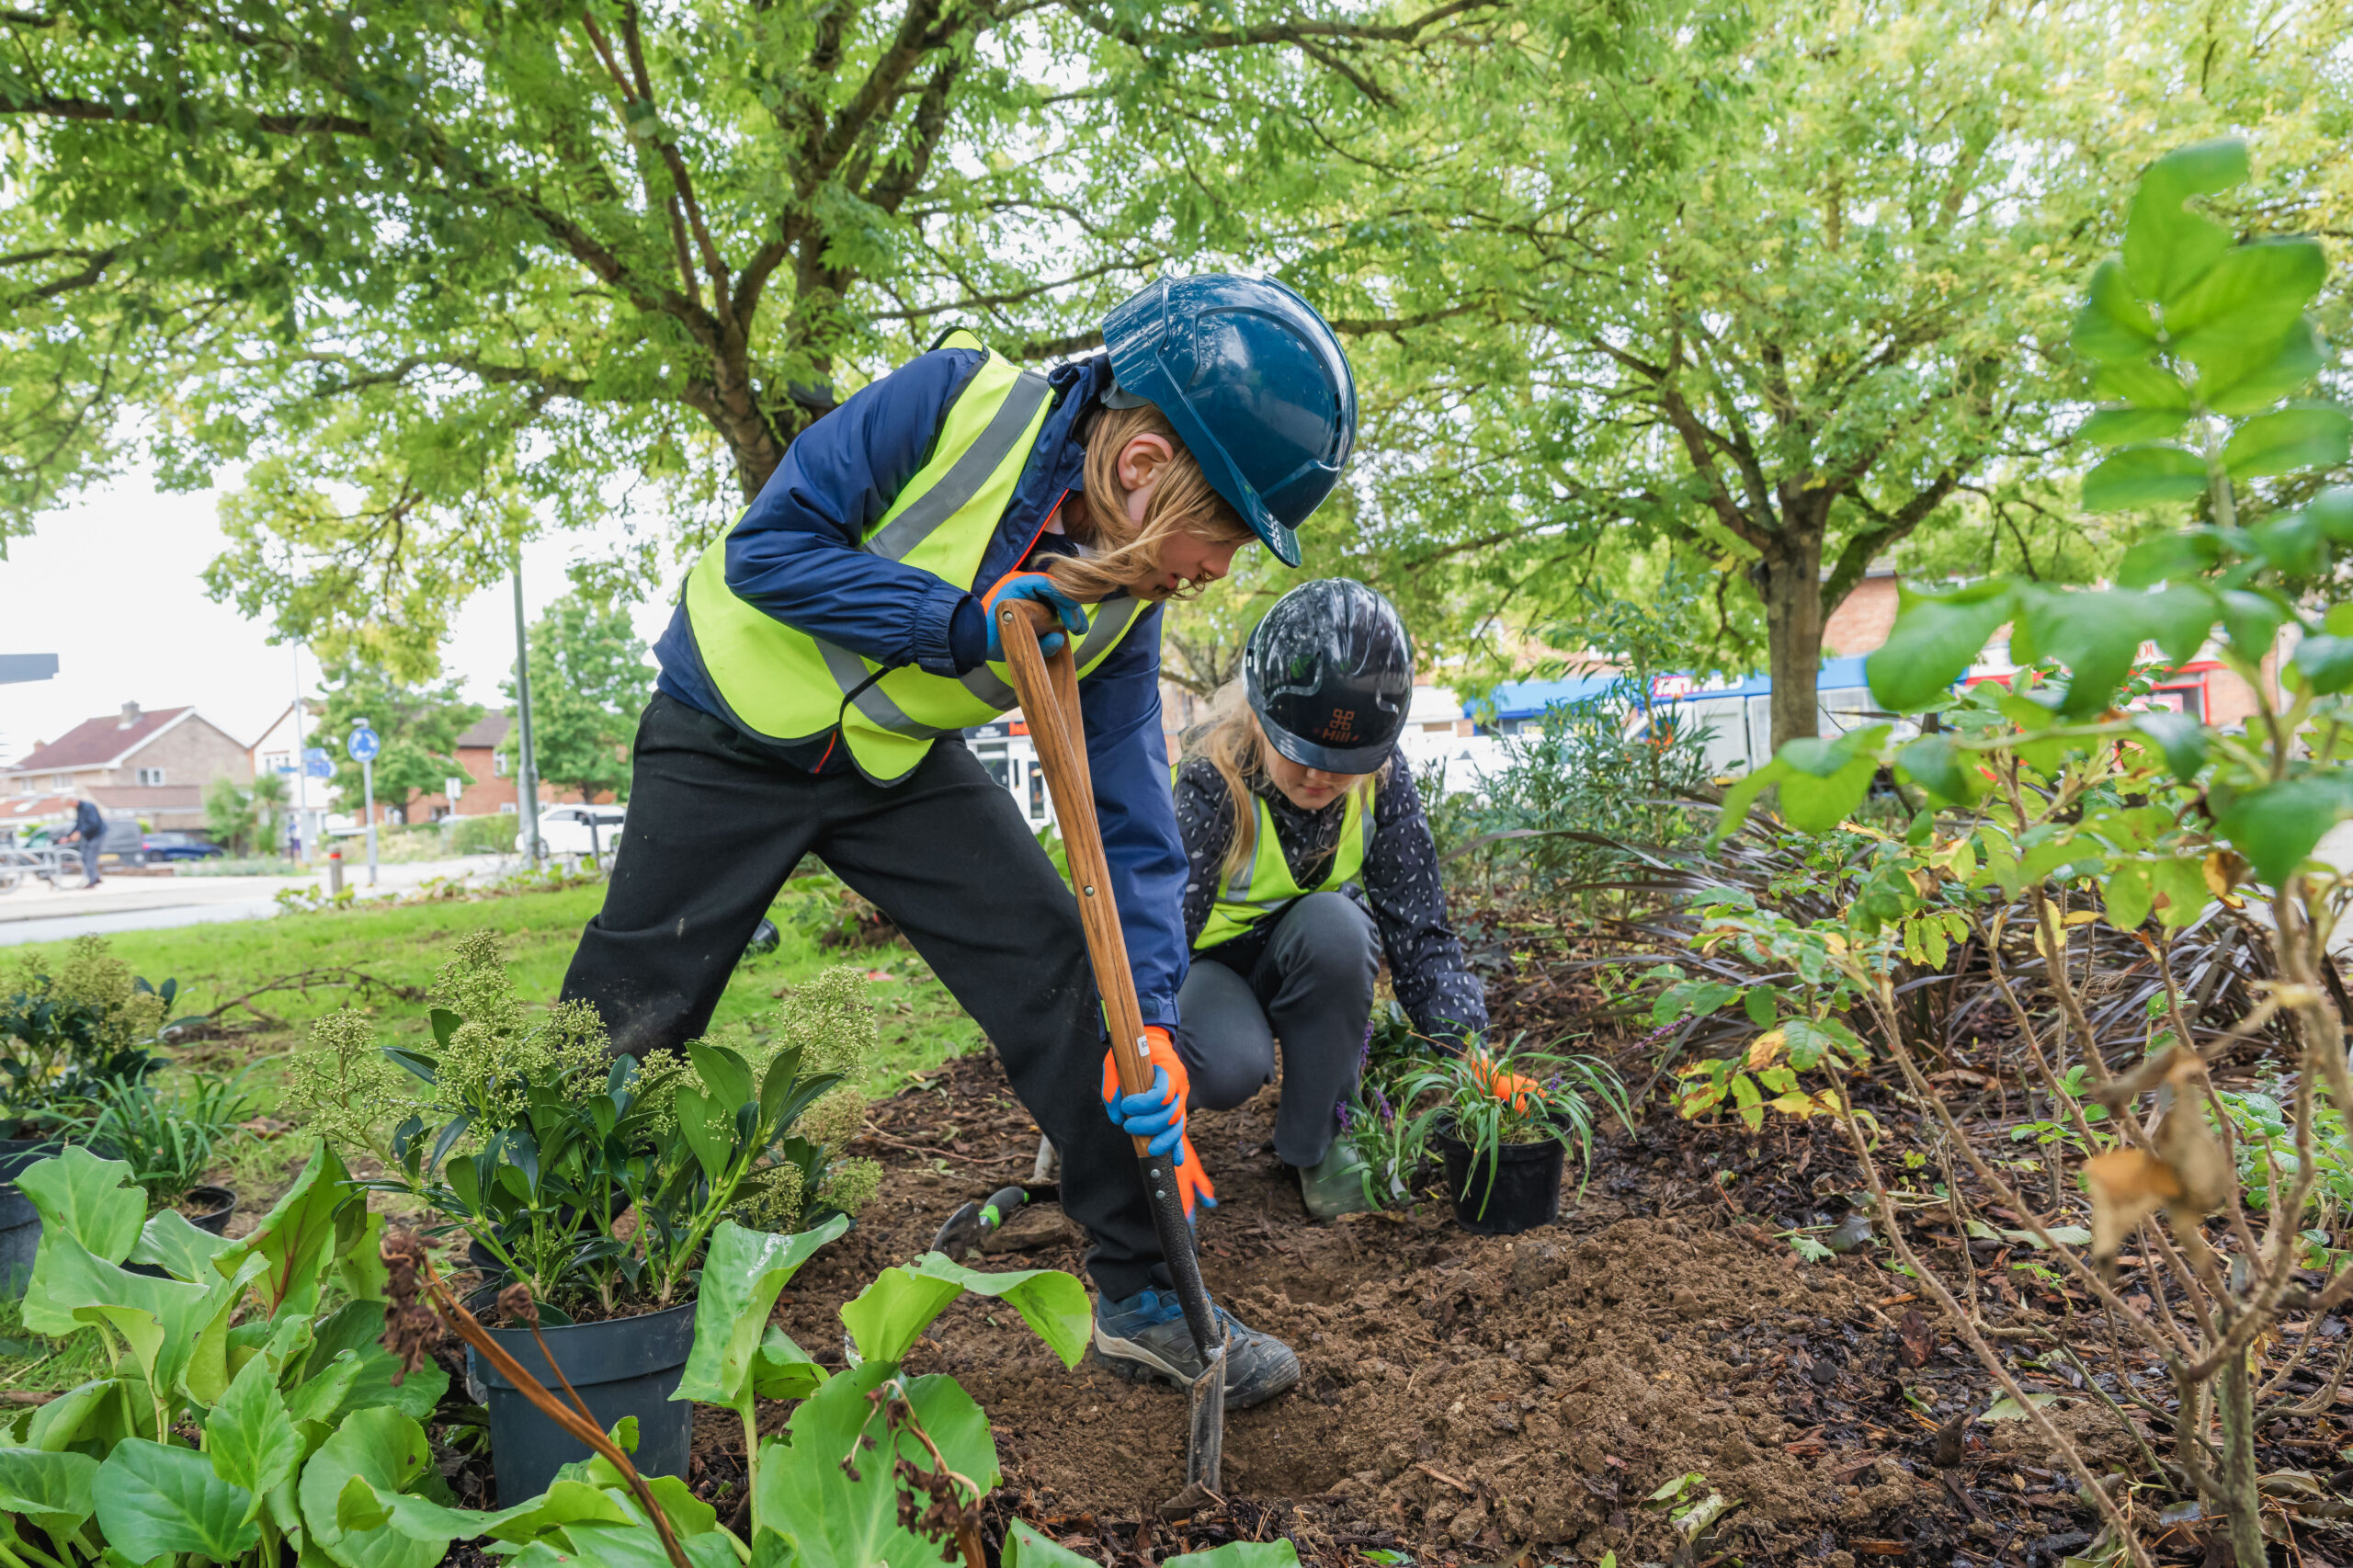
(63, 1036)
(594, 1181)
(1504, 1156)
(169, 1137)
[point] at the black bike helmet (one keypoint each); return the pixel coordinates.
(1330, 675)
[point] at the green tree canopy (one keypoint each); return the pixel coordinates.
(418, 724)
(434, 272)
(1778, 295)
(589, 679)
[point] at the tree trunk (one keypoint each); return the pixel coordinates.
(1790, 582)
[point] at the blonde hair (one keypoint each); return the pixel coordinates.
(1121, 549)
(1230, 740)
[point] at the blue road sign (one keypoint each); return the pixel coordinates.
(316, 763)
(363, 745)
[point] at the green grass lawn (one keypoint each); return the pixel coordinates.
(401, 947)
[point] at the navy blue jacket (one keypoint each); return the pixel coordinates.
(797, 554)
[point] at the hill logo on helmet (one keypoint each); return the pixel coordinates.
(1342, 725)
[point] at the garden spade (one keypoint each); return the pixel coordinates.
(1049, 692)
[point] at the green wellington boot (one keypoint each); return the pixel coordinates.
(1339, 1183)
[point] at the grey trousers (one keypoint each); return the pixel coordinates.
(1311, 988)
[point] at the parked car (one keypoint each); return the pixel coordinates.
(581, 830)
(154, 847)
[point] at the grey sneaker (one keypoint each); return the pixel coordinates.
(1340, 1183)
(1145, 1339)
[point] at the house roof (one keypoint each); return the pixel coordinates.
(28, 809)
(100, 742)
(486, 732)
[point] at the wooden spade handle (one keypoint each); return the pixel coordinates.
(1049, 692)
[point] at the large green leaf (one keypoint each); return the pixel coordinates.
(249, 1438)
(298, 1234)
(2114, 426)
(1824, 781)
(348, 1356)
(2180, 738)
(2097, 635)
(2302, 435)
(2141, 384)
(53, 1491)
(2169, 248)
(2326, 662)
(90, 1199)
(783, 1370)
(170, 1242)
(2252, 621)
(2176, 557)
(2247, 380)
(1935, 639)
(2333, 510)
(1052, 1303)
(2277, 826)
(838, 1522)
(2114, 327)
(2179, 890)
(389, 1451)
(711, 1136)
(152, 1500)
(159, 1319)
(79, 1415)
(742, 1274)
(2126, 893)
(2291, 542)
(1936, 764)
(2149, 475)
(724, 1074)
(2247, 303)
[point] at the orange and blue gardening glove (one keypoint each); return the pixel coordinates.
(1158, 1115)
(1509, 1087)
(1031, 585)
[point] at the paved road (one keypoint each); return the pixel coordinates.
(37, 913)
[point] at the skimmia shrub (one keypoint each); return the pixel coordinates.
(532, 1140)
(64, 1033)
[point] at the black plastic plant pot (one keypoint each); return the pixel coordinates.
(1518, 1191)
(620, 1366)
(19, 1221)
(15, 1154)
(20, 1239)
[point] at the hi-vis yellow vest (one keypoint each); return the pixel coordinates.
(1269, 886)
(790, 686)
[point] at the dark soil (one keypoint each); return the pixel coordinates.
(1466, 1398)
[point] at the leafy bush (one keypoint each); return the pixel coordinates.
(492, 833)
(64, 1036)
(2081, 812)
(1595, 777)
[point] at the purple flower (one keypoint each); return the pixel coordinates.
(1346, 1112)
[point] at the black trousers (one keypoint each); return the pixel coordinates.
(715, 827)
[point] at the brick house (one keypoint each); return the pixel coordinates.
(150, 765)
(493, 790)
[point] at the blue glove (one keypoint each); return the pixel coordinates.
(1031, 585)
(1155, 1114)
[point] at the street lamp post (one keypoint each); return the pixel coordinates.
(527, 773)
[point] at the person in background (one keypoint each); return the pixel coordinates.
(90, 832)
(1310, 861)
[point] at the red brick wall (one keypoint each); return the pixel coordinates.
(1862, 620)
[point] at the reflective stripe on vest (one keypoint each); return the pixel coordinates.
(790, 686)
(1270, 887)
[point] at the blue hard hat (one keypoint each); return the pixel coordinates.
(1256, 384)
